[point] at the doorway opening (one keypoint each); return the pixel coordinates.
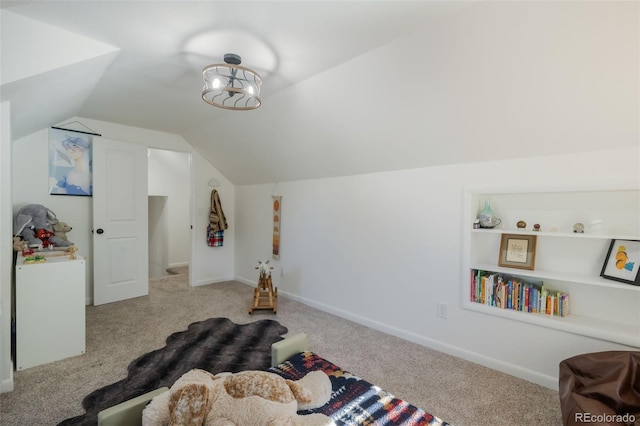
(169, 220)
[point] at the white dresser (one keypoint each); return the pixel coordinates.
(50, 310)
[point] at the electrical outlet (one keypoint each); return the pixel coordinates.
(441, 310)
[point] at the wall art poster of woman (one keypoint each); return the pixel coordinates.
(70, 163)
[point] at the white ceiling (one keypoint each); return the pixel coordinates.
(336, 78)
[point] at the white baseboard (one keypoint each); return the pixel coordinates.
(252, 283)
(178, 265)
(495, 364)
(213, 280)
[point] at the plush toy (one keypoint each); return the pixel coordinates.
(19, 245)
(34, 217)
(72, 251)
(44, 235)
(247, 398)
(60, 230)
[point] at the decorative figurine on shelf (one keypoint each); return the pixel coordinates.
(476, 224)
(578, 228)
(521, 224)
(487, 217)
(536, 227)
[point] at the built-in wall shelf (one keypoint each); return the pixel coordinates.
(560, 276)
(557, 234)
(566, 261)
(626, 334)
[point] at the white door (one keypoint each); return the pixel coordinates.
(120, 233)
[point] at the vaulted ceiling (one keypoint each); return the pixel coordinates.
(349, 87)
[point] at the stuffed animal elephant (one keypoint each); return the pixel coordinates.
(32, 218)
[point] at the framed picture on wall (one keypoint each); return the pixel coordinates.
(623, 262)
(517, 251)
(70, 156)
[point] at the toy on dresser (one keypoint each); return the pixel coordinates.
(60, 230)
(35, 224)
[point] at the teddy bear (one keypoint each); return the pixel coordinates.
(32, 218)
(247, 398)
(60, 230)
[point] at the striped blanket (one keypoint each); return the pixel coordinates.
(355, 401)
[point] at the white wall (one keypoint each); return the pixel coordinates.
(29, 185)
(383, 248)
(22, 34)
(214, 264)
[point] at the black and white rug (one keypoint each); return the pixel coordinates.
(215, 345)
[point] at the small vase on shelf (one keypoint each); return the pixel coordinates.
(487, 218)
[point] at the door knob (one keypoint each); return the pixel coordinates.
(100, 231)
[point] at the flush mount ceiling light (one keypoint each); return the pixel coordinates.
(230, 85)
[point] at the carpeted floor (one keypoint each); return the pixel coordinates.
(458, 391)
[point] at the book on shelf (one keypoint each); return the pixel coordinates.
(516, 293)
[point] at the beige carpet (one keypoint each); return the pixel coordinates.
(455, 390)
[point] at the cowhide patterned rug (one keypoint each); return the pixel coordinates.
(215, 345)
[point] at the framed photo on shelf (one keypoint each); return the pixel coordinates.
(517, 251)
(623, 262)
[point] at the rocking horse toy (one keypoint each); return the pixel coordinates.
(264, 295)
